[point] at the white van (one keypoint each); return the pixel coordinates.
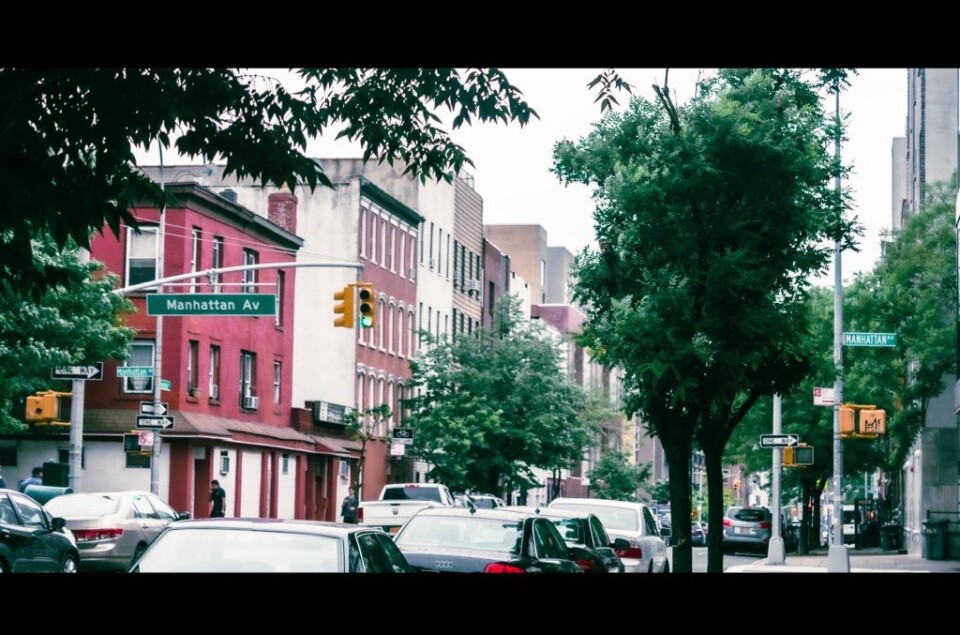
(849, 524)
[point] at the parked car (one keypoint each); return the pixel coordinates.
(647, 551)
(271, 545)
(747, 529)
(592, 549)
(113, 528)
(32, 540)
(698, 534)
(458, 540)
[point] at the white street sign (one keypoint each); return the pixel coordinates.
(779, 440)
(823, 396)
(397, 449)
(145, 439)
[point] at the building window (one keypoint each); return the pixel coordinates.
(277, 371)
(413, 256)
(141, 355)
(400, 332)
(195, 256)
(363, 232)
(390, 328)
(142, 256)
(439, 251)
(490, 288)
(403, 253)
(281, 282)
(193, 369)
(214, 373)
(381, 311)
(248, 381)
(285, 464)
(250, 257)
(373, 236)
(217, 261)
(383, 242)
(411, 337)
(448, 256)
(8, 456)
(393, 248)
(63, 456)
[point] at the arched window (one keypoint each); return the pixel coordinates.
(390, 328)
(412, 337)
(381, 311)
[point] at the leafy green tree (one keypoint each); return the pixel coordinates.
(709, 217)
(660, 492)
(76, 324)
(491, 406)
(68, 138)
(365, 426)
(615, 478)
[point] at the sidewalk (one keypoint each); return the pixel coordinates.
(872, 560)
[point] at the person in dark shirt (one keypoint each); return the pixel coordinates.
(349, 508)
(36, 478)
(217, 496)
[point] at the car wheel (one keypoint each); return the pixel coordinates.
(69, 564)
(3, 566)
(666, 567)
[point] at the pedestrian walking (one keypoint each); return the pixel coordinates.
(349, 508)
(217, 496)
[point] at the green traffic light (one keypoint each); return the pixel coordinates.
(366, 322)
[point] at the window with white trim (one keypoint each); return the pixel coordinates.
(248, 380)
(141, 355)
(393, 248)
(217, 261)
(277, 373)
(214, 386)
(195, 237)
(249, 279)
(142, 256)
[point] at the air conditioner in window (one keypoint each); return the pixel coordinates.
(251, 403)
(214, 391)
(344, 469)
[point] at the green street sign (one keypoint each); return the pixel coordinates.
(134, 371)
(220, 304)
(165, 385)
(869, 339)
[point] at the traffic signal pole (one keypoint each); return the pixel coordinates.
(775, 551)
(76, 417)
(838, 558)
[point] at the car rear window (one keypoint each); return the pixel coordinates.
(618, 518)
(463, 532)
(83, 505)
(411, 494)
(751, 515)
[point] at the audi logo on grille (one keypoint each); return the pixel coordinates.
(443, 565)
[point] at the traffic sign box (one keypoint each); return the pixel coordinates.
(88, 372)
(152, 422)
(779, 440)
(403, 435)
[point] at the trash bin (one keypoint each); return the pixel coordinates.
(935, 539)
(43, 493)
(890, 537)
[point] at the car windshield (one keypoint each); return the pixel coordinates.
(225, 550)
(83, 505)
(484, 534)
(849, 517)
(485, 501)
(617, 518)
(411, 493)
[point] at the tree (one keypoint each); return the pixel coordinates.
(709, 217)
(661, 491)
(365, 426)
(68, 139)
(490, 406)
(70, 325)
(615, 478)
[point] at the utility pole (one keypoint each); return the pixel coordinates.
(775, 551)
(838, 558)
(158, 348)
(76, 415)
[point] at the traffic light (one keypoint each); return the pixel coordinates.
(799, 456)
(368, 303)
(47, 407)
(873, 422)
(847, 420)
(343, 307)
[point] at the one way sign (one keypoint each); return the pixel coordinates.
(155, 423)
(93, 372)
(779, 440)
(150, 408)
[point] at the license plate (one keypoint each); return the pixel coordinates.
(741, 530)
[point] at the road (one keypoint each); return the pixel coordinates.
(729, 560)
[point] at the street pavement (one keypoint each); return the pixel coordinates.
(873, 560)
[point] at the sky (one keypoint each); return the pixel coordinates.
(512, 163)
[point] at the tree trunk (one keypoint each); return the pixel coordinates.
(680, 507)
(713, 458)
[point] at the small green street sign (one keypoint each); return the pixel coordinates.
(869, 339)
(134, 371)
(220, 304)
(165, 384)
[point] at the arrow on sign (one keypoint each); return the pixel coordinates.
(151, 408)
(154, 423)
(779, 440)
(90, 371)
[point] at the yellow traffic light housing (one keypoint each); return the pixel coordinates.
(368, 303)
(799, 456)
(847, 421)
(48, 408)
(873, 422)
(343, 307)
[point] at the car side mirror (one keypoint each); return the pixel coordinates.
(183, 516)
(58, 523)
(665, 532)
(621, 544)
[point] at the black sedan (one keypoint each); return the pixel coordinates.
(270, 545)
(591, 547)
(31, 539)
(459, 540)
